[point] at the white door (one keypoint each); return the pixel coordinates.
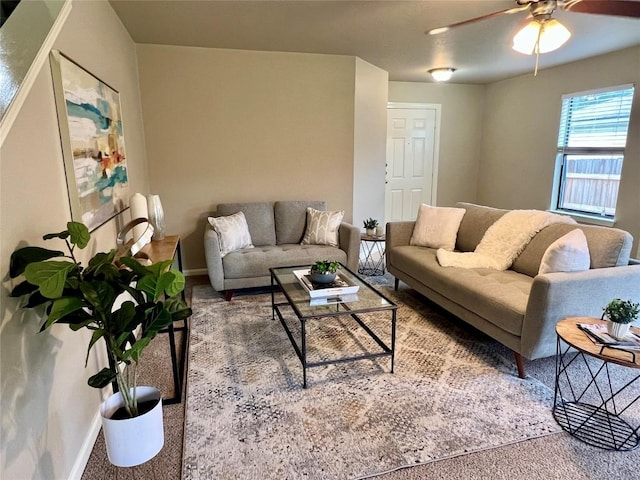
(411, 159)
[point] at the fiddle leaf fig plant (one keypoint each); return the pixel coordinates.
(95, 297)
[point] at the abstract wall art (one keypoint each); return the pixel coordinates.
(92, 137)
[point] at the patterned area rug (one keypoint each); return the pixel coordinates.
(249, 417)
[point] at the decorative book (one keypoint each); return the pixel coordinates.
(340, 286)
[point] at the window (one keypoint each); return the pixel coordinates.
(591, 143)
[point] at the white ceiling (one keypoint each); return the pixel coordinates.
(387, 33)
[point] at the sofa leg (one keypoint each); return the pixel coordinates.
(520, 365)
(228, 294)
(396, 283)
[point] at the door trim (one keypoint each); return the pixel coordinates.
(436, 140)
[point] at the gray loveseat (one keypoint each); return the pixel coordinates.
(276, 232)
(517, 307)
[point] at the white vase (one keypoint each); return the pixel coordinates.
(133, 441)
(617, 330)
(156, 216)
(138, 209)
(370, 231)
(379, 231)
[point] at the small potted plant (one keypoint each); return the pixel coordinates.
(619, 315)
(92, 297)
(370, 225)
(324, 271)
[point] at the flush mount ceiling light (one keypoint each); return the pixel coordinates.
(541, 35)
(441, 74)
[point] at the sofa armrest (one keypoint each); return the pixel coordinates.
(214, 259)
(349, 240)
(397, 234)
(555, 296)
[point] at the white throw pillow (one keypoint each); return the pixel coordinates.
(233, 232)
(322, 227)
(570, 253)
(437, 227)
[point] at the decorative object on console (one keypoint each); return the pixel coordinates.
(619, 314)
(437, 227)
(133, 246)
(370, 225)
(324, 271)
(233, 232)
(87, 297)
(156, 216)
(138, 209)
(91, 133)
(322, 227)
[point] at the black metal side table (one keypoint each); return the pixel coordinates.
(600, 425)
(373, 263)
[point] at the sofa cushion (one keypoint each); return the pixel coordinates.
(291, 219)
(322, 227)
(436, 227)
(570, 253)
(500, 297)
(255, 262)
(477, 219)
(259, 217)
(608, 247)
(232, 231)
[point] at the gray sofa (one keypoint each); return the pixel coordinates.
(276, 231)
(517, 307)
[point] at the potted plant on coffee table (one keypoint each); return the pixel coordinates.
(324, 271)
(619, 315)
(125, 307)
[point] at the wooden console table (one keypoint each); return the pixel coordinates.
(158, 251)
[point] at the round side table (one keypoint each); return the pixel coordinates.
(373, 263)
(598, 423)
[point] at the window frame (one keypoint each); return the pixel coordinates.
(562, 152)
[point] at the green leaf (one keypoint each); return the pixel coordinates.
(125, 317)
(136, 349)
(97, 335)
(153, 286)
(102, 263)
(23, 288)
(158, 268)
(61, 308)
(100, 295)
(177, 285)
(103, 378)
(50, 276)
(134, 265)
(27, 255)
(80, 235)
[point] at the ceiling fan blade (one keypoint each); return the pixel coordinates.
(508, 11)
(624, 8)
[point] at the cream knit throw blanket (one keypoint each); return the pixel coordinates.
(503, 241)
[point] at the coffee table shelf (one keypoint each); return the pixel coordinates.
(297, 299)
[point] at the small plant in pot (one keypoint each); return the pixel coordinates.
(91, 297)
(619, 315)
(370, 225)
(324, 271)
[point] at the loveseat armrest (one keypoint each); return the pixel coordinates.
(214, 259)
(555, 296)
(349, 241)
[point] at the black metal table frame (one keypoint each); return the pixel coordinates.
(597, 425)
(369, 265)
(301, 350)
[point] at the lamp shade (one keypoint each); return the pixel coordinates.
(441, 74)
(540, 37)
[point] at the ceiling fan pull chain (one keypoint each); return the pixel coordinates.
(537, 48)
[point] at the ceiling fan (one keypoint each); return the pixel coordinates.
(544, 33)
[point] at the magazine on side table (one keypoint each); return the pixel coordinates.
(598, 334)
(340, 288)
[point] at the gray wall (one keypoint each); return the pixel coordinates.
(49, 413)
(520, 133)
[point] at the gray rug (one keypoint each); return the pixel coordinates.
(248, 417)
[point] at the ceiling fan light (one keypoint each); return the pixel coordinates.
(550, 34)
(441, 74)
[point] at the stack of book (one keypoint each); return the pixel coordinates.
(338, 291)
(598, 334)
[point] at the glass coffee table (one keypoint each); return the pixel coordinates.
(367, 300)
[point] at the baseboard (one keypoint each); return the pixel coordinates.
(195, 271)
(87, 447)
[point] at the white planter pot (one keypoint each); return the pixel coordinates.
(617, 330)
(370, 231)
(132, 441)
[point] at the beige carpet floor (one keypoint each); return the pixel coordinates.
(556, 456)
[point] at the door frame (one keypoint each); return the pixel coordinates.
(436, 140)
